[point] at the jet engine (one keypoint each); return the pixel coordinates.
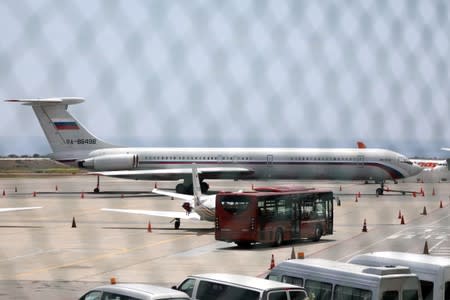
(111, 162)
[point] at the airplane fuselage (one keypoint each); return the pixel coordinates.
(265, 163)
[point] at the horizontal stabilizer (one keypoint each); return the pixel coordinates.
(18, 208)
(47, 101)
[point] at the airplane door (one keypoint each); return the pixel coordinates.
(360, 161)
(269, 166)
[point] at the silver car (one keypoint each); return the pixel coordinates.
(133, 292)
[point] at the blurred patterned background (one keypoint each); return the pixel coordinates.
(232, 73)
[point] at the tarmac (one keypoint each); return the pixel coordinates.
(43, 256)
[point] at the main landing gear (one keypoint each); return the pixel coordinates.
(177, 223)
(97, 188)
(379, 191)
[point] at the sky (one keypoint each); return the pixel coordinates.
(232, 73)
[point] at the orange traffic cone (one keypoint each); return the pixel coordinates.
(440, 204)
(34, 194)
(74, 225)
(399, 214)
(425, 248)
(112, 280)
(414, 194)
(364, 229)
(272, 263)
(424, 211)
(149, 227)
(402, 222)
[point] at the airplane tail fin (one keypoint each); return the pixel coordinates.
(196, 185)
(64, 133)
(361, 145)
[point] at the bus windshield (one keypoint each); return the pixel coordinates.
(235, 204)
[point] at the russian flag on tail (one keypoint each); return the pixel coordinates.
(62, 124)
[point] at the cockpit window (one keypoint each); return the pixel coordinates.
(406, 161)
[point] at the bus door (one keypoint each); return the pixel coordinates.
(329, 215)
(296, 219)
(269, 166)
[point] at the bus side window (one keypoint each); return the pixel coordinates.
(307, 209)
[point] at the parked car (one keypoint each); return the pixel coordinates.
(133, 292)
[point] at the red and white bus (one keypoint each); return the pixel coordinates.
(273, 215)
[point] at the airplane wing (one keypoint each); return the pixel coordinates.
(18, 208)
(184, 197)
(167, 214)
(175, 174)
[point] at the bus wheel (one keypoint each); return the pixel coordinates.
(278, 238)
(317, 234)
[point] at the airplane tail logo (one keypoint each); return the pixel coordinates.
(67, 137)
(65, 124)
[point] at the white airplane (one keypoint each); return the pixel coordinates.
(72, 143)
(431, 164)
(197, 206)
(18, 208)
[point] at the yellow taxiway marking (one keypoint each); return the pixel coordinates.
(99, 257)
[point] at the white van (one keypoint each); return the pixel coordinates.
(215, 286)
(327, 280)
(433, 272)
